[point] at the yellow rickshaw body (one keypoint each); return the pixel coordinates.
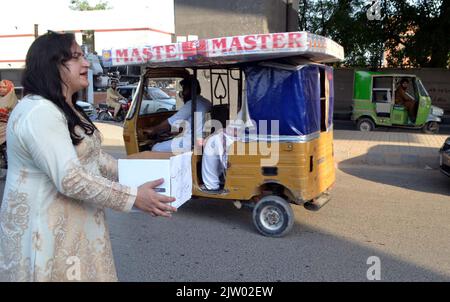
(305, 170)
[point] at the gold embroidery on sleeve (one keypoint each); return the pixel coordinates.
(82, 186)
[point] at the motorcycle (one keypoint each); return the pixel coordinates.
(4, 115)
(106, 113)
(3, 161)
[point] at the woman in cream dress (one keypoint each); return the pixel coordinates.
(52, 220)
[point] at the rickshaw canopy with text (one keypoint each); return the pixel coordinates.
(228, 50)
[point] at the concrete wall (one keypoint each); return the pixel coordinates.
(217, 18)
(436, 81)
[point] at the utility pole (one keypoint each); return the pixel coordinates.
(36, 31)
(288, 11)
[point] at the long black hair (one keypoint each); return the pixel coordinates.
(42, 77)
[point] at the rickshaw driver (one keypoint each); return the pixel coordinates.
(182, 143)
(112, 98)
(404, 99)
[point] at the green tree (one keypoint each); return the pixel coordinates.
(313, 15)
(421, 36)
(410, 33)
(83, 5)
(417, 33)
(345, 22)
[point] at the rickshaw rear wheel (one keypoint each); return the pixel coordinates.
(365, 124)
(431, 128)
(273, 216)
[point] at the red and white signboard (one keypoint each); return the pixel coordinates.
(229, 50)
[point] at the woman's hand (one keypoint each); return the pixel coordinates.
(151, 202)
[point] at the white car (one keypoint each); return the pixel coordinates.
(444, 157)
(154, 99)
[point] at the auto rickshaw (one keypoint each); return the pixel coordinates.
(374, 103)
(278, 77)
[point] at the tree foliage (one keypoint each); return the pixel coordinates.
(83, 5)
(410, 33)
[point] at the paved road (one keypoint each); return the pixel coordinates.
(399, 215)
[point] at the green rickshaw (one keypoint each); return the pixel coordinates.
(374, 95)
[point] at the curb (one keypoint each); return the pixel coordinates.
(347, 116)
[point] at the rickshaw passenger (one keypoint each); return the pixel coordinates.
(403, 98)
(183, 116)
(215, 153)
(214, 159)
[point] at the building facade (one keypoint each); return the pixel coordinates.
(205, 19)
(98, 29)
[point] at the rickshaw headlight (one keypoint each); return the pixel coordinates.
(437, 111)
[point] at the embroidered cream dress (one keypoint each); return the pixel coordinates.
(52, 220)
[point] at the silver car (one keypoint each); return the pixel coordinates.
(444, 157)
(153, 100)
(156, 100)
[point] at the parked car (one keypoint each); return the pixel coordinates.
(154, 99)
(444, 157)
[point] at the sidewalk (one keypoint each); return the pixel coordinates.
(387, 148)
(353, 147)
(111, 134)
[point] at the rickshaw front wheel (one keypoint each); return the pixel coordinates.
(273, 216)
(431, 128)
(365, 124)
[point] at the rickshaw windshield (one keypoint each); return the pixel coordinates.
(422, 90)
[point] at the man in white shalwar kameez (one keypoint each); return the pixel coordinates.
(217, 146)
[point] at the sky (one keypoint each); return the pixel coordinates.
(53, 7)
